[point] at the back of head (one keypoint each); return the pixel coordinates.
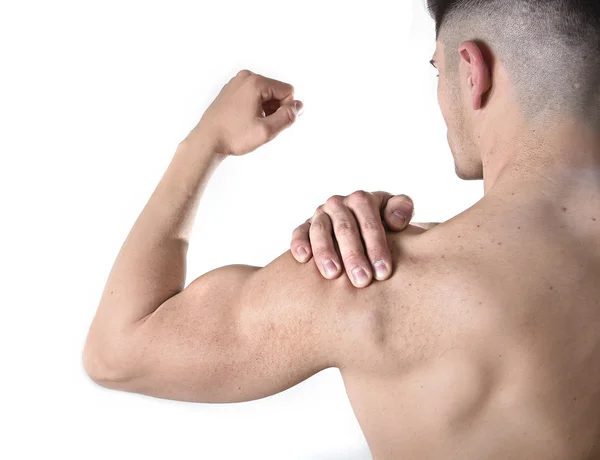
(549, 48)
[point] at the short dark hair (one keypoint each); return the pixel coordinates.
(550, 48)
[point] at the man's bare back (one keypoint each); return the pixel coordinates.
(485, 341)
(486, 338)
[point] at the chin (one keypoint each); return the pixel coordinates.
(468, 174)
(460, 173)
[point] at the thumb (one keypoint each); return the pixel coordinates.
(398, 212)
(284, 117)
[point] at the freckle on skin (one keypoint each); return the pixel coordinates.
(564, 209)
(499, 244)
(551, 287)
(478, 226)
(594, 219)
(519, 228)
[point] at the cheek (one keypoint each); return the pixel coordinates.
(443, 103)
(448, 106)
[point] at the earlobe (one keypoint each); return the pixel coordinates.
(476, 96)
(470, 88)
(480, 84)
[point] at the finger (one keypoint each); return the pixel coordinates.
(394, 221)
(323, 249)
(283, 118)
(382, 198)
(366, 208)
(300, 245)
(398, 212)
(274, 89)
(349, 240)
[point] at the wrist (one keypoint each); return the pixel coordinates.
(195, 159)
(201, 141)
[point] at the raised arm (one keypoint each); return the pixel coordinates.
(235, 333)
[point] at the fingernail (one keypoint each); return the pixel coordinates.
(301, 251)
(406, 206)
(401, 216)
(299, 107)
(360, 276)
(330, 268)
(381, 269)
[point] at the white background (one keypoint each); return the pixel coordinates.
(94, 98)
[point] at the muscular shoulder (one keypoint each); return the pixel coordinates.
(326, 318)
(351, 327)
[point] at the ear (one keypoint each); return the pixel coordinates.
(478, 71)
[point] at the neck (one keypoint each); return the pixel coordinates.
(563, 162)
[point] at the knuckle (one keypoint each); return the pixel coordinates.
(300, 230)
(305, 225)
(352, 259)
(360, 196)
(334, 201)
(371, 224)
(344, 228)
(291, 114)
(244, 73)
(376, 254)
(253, 80)
(322, 252)
(317, 226)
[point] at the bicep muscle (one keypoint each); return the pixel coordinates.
(240, 333)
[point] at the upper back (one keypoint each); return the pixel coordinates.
(488, 343)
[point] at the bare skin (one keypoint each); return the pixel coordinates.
(483, 342)
(486, 338)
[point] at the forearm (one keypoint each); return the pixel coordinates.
(151, 265)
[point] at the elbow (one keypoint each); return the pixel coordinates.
(107, 366)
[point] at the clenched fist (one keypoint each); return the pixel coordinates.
(250, 111)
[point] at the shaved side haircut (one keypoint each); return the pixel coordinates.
(549, 48)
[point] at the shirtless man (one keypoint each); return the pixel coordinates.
(483, 342)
